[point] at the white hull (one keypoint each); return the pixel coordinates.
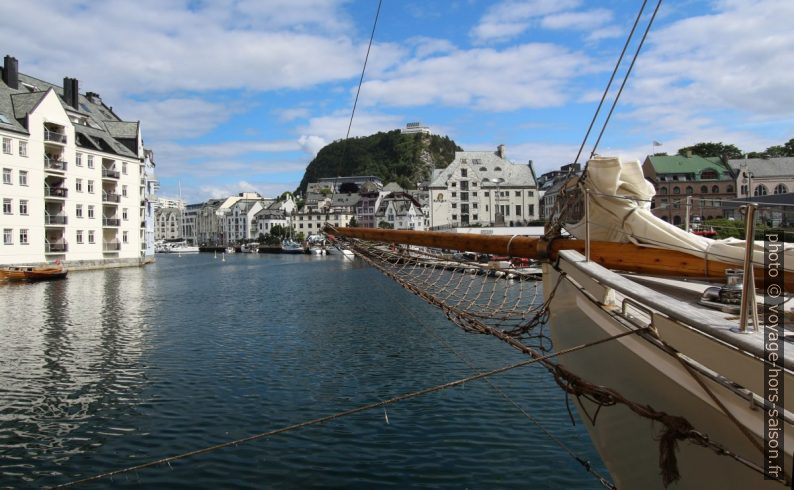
(642, 372)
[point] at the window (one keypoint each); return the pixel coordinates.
(6, 206)
(474, 194)
(78, 210)
(761, 190)
(79, 236)
(531, 210)
(90, 164)
(676, 190)
(78, 159)
(475, 217)
(124, 191)
(124, 214)
(704, 189)
(90, 236)
(23, 236)
(518, 193)
(454, 194)
(23, 177)
(7, 238)
(463, 172)
(531, 193)
(781, 189)
(454, 184)
(7, 145)
(487, 194)
(23, 151)
(454, 205)
(518, 210)
(715, 189)
(454, 217)
(7, 176)
(78, 185)
(23, 207)
(124, 237)
(90, 212)
(124, 168)
(689, 190)
(90, 186)
(663, 190)
(474, 205)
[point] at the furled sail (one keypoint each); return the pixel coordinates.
(620, 211)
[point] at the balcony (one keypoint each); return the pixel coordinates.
(54, 136)
(109, 197)
(111, 246)
(108, 222)
(55, 247)
(54, 164)
(55, 220)
(110, 174)
(60, 192)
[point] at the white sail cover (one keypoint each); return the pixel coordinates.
(620, 211)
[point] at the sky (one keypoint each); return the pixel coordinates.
(239, 95)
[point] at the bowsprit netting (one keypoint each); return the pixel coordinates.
(479, 297)
(507, 304)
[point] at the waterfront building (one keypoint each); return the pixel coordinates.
(758, 177)
(149, 188)
(170, 202)
(366, 208)
(237, 214)
(402, 212)
(708, 181)
(276, 213)
(483, 188)
(549, 185)
(72, 173)
(168, 224)
(208, 222)
(337, 210)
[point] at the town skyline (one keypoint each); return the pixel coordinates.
(234, 97)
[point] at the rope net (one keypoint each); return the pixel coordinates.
(503, 298)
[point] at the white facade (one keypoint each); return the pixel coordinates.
(402, 212)
(149, 188)
(63, 198)
(169, 202)
(483, 188)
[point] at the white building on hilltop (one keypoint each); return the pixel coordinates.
(483, 188)
(72, 176)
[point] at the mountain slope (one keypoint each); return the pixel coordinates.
(393, 157)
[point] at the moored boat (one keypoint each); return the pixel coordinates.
(31, 273)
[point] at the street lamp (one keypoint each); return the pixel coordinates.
(497, 181)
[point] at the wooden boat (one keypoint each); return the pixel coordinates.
(30, 273)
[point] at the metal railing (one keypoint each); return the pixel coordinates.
(54, 136)
(110, 173)
(111, 222)
(57, 247)
(55, 219)
(53, 164)
(110, 197)
(55, 191)
(111, 246)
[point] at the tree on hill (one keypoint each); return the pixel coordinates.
(707, 150)
(392, 157)
(784, 150)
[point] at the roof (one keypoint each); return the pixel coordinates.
(765, 167)
(344, 200)
(400, 201)
(103, 127)
(680, 164)
(488, 166)
(392, 187)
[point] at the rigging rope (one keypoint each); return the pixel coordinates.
(364, 68)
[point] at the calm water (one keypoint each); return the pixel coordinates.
(109, 369)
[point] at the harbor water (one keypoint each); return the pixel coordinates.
(114, 368)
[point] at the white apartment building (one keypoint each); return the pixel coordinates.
(402, 211)
(72, 172)
(169, 202)
(337, 210)
(277, 213)
(149, 188)
(483, 188)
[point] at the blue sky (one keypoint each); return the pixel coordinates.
(238, 95)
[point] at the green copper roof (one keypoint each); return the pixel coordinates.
(679, 164)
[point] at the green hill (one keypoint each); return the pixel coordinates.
(393, 156)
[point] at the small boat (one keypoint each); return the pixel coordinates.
(230, 250)
(30, 273)
(291, 247)
(317, 250)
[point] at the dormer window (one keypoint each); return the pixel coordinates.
(498, 169)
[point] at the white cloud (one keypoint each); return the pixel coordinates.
(525, 76)
(322, 130)
(287, 115)
(507, 19)
(703, 76)
(152, 46)
(312, 144)
(589, 19)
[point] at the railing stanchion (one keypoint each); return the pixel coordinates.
(748, 287)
